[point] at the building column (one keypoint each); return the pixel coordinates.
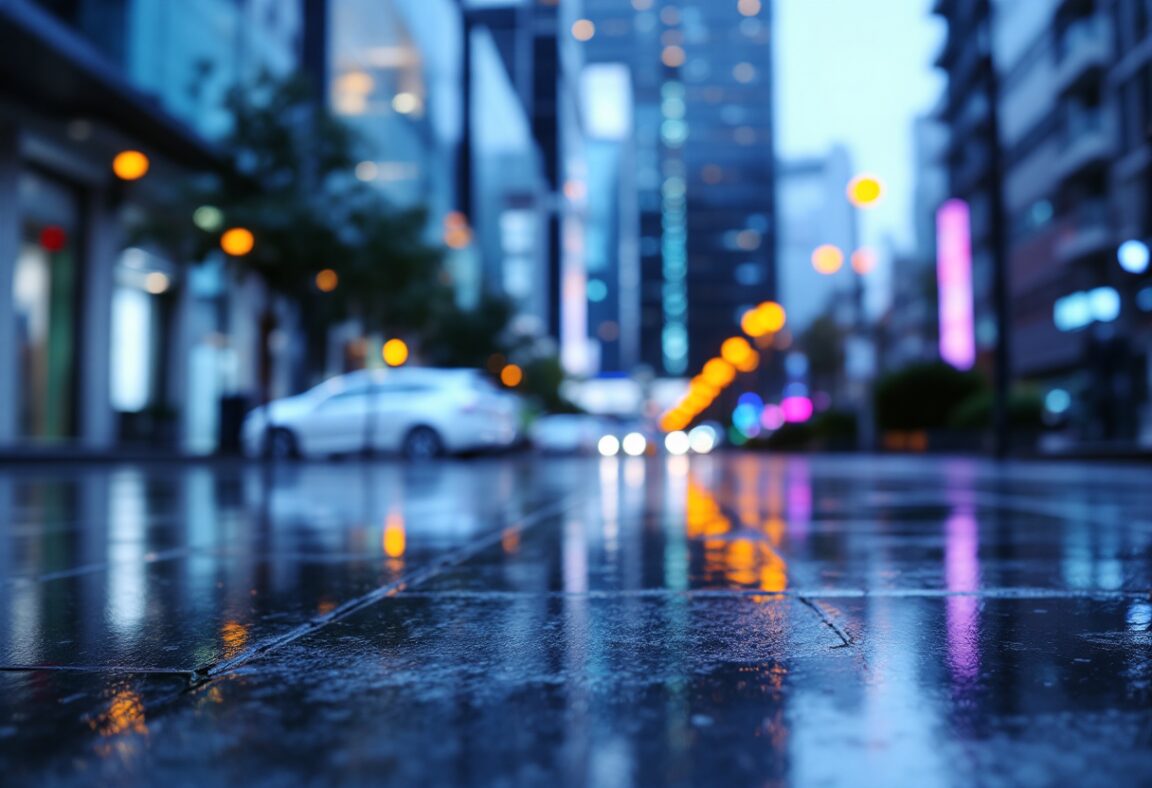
(9, 251)
(102, 245)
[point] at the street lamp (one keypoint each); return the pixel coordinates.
(237, 241)
(395, 352)
(327, 280)
(864, 191)
(130, 165)
(1133, 256)
(827, 259)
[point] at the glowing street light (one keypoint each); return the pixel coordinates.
(1133, 256)
(863, 261)
(719, 372)
(864, 191)
(395, 352)
(457, 234)
(827, 259)
(772, 315)
(583, 29)
(765, 319)
(327, 280)
(735, 351)
(511, 376)
(130, 165)
(237, 241)
(208, 218)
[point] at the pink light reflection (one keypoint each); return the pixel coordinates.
(799, 502)
(962, 576)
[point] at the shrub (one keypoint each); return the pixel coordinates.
(923, 396)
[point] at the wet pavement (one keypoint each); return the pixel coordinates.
(728, 620)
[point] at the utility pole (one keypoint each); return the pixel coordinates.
(464, 185)
(998, 238)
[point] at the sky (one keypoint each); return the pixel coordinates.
(858, 72)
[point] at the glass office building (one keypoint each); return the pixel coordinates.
(702, 81)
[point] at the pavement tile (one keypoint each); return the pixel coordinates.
(493, 690)
(77, 724)
(672, 688)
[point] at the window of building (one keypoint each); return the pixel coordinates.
(46, 286)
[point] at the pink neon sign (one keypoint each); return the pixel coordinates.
(954, 274)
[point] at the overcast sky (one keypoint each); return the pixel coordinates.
(858, 72)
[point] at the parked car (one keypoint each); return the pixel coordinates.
(567, 433)
(417, 411)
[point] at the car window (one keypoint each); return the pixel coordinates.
(415, 388)
(343, 398)
(397, 388)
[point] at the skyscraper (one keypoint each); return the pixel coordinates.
(702, 83)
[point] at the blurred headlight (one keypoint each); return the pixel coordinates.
(677, 443)
(702, 439)
(634, 444)
(609, 446)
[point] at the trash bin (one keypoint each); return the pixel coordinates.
(233, 408)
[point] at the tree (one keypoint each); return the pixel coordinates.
(288, 176)
(823, 343)
(469, 337)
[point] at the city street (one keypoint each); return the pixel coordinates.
(733, 619)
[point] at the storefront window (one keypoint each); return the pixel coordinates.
(46, 285)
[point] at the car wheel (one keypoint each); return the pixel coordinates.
(423, 443)
(280, 444)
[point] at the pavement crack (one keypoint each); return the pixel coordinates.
(112, 669)
(846, 640)
(207, 673)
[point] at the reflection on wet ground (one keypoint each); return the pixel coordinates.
(724, 620)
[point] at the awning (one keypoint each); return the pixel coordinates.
(52, 70)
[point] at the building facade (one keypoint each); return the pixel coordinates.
(95, 335)
(701, 75)
(1070, 195)
(812, 213)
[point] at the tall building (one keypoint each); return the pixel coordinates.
(1129, 89)
(964, 109)
(93, 335)
(911, 323)
(531, 195)
(812, 213)
(702, 86)
(1068, 194)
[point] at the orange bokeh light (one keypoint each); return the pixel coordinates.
(765, 319)
(750, 363)
(130, 165)
(511, 376)
(395, 352)
(827, 259)
(395, 540)
(735, 351)
(237, 242)
(327, 280)
(583, 29)
(719, 372)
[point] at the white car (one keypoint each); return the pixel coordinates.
(419, 412)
